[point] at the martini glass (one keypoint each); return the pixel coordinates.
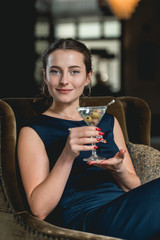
(92, 116)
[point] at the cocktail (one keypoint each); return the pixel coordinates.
(92, 116)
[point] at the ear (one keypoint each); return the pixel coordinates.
(89, 77)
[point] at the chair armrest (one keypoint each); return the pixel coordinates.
(47, 230)
(18, 224)
(146, 161)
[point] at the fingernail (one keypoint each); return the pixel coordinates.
(90, 163)
(98, 139)
(95, 147)
(98, 129)
(101, 133)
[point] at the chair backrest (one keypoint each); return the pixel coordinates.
(133, 114)
(15, 111)
(24, 109)
(138, 119)
(8, 166)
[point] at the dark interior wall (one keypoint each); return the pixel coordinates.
(142, 54)
(18, 49)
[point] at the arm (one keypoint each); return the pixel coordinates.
(120, 165)
(43, 188)
(125, 174)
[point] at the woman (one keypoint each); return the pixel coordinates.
(102, 197)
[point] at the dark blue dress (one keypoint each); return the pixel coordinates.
(92, 201)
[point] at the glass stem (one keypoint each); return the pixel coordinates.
(94, 150)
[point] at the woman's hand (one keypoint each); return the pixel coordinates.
(81, 139)
(125, 178)
(114, 164)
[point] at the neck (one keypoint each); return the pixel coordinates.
(66, 111)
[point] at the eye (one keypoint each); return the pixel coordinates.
(55, 71)
(74, 72)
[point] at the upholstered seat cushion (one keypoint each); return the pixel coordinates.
(146, 161)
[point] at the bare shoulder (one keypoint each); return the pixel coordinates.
(116, 121)
(29, 143)
(118, 135)
(28, 133)
(117, 127)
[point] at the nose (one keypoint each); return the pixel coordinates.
(64, 79)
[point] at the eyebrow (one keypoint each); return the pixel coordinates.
(74, 66)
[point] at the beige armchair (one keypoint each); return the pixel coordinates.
(16, 221)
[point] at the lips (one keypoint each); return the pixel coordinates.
(63, 91)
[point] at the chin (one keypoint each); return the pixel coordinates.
(66, 99)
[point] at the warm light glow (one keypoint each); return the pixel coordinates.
(123, 9)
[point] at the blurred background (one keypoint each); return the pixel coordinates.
(125, 47)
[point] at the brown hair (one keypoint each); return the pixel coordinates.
(64, 44)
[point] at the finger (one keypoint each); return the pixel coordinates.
(89, 140)
(95, 163)
(90, 134)
(80, 148)
(116, 159)
(86, 131)
(84, 128)
(83, 141)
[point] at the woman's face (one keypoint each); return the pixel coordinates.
(66, 75)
